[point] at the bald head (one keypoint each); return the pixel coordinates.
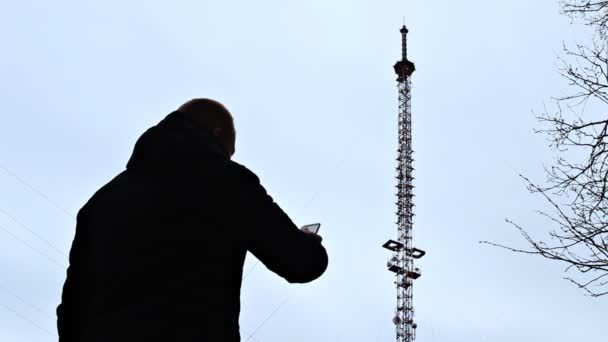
(213, 116)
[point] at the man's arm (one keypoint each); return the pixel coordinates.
(270, 234)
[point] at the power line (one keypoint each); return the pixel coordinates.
(27, 319)
(249, 335)
(268, 317)
(32, 247)
(327, 176)
(26, 303)
(38, 192)
(24, 226)
(251, 269)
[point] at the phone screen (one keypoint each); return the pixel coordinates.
(311, 228)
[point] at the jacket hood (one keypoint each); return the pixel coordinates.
(175, 142)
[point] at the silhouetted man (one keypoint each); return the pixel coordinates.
(158, 252)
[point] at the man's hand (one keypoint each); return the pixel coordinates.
(319, 238)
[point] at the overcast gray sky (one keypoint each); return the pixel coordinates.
(313, 93)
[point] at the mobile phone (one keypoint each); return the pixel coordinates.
(311, 228)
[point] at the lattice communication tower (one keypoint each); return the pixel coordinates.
(402, 261)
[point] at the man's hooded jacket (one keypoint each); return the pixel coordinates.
(158, 252)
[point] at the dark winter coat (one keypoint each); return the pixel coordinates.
(158, 251)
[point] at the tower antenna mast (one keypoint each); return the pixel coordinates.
(402, 261)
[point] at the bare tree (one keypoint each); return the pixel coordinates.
(593, 12)
(577, 183)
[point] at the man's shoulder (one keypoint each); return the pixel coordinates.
(240, 171)
(112, 186)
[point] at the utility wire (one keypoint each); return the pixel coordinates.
(24, 226)
(7, 290)
(249, 335)
(32, 247)
(268, 317)
(251, 269)
(16, 313)
(38, 192)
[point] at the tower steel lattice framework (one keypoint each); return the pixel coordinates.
(402, 261)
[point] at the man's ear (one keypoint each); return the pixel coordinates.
(218, 132)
